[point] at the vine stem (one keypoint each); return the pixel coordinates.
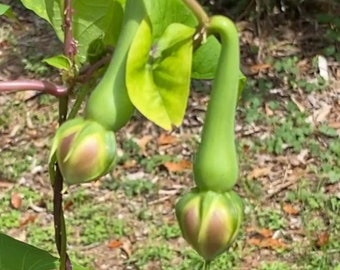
(59, 220)
(216, 157)
(37, 85)
(203, 20)
(224, 93)
(87, 72)
(199, 12)
(206, 265)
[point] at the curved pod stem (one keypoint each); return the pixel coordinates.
(109, 103)
(216, 164)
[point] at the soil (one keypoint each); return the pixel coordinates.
(28, 37)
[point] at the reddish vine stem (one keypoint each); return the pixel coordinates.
(87, 72)
(58, 213)
(70, 48)
(51, 88)
(38, 85)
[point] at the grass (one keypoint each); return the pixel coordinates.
(277, 132)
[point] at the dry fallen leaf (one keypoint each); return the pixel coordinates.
(321, 114)
(28, 219)
(165, 139)
(335, 125)
(142, 142)
(323, 67)
(130, 163)
(68, 205)
(258, 172)
(178, 166)
(264, 238)
(4, 184)
(262, 232)
(298, 104)
(26, 95)
(259, 68)
(127, 248)
(267, 243)
(322, 239)
(290, 209)
(16, 200)
(115, 244)
(268, 110)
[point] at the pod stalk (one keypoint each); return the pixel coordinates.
(216, 165)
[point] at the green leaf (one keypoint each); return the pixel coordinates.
(59, 61)
(16, 255)
(205, 59)
(100, 18)
(46, 9)
(163, 13)
(241, 83)
(96, 50)
(5, 9)
(158, 73)
(91, 19)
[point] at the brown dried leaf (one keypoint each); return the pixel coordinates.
(4, 184)
(16, 200)
(322, 239)
(127, 248)
(260, 232)
(269, 111)
(290, 209)
(68, 205)
(321, 114)
(258, 172)
(115, 244)
(298, 104)
(178, 166)
(335, 125)
(28, 219)
(26, 95)
(130, 163)
(267, 243)
(254, 241)
(259, 68)
(142, 142)
(165, 139)
(266, 233)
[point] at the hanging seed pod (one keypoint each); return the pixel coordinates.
(85, 150)
(209, 221)
(216, 165)
(109, 103)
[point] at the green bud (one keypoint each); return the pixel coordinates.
(85, 150)
(209, 221)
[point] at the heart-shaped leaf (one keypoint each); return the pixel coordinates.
(59, 61)
(205, 59)
(163, 13)
(91, 19)
(158, 73)
(6, 10)
(16, 255)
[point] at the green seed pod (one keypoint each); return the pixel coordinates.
(85, 150)
(109, 104)
(209, 221)
(216, 165)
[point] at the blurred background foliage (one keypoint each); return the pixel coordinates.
(249, 9)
